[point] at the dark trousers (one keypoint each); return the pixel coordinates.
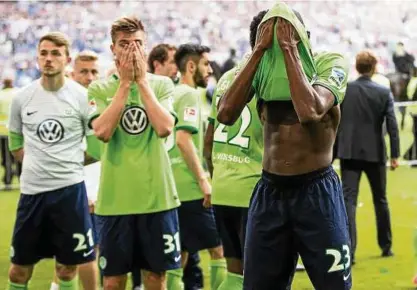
(10, 166)
(377, 176)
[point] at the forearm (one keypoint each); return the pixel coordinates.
(305, 98)
(105, 124)
(18, 154)
(161, 120)
(208, 148)
(190, 156)
(233, 102)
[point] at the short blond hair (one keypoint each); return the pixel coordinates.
(128, 24)
(366, 61)
(86, 55)
(59, 39)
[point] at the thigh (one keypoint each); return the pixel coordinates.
(377, 176)
(28, 243)
(158, 240)
(322, 237)
(116, 244)
(229, 221)
(270, 256)
(351, 176)
(198, 226)
(71, 227)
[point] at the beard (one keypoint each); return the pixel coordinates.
(199, 79)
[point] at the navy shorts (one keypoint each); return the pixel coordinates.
(94, 227)
(231, 221)
(297, 215)
(139, 241)
(198, 226)
(54, 223)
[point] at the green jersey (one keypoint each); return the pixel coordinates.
(187, 106)
(136, 176)
(237, 151)
(271, 81)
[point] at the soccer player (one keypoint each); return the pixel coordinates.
(131, 112)
(236, 157)
(297, 206)
(85, 71)
(161, 62)
(48, 121)
(198, 227)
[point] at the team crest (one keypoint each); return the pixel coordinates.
(134, 120)
(337, 77)
(50, 131)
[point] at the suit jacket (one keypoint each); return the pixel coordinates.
(360, 135)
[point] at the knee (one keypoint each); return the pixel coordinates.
(19, 274)
(65, 273)
(154, 280)
(113, 283)
(216, 253)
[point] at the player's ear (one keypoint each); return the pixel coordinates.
(112, 49)
(155, 64)
(191, 67)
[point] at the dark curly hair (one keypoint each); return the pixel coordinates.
(187, 51)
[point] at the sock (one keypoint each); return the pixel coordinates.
(68, 285)
(54, 286)
(15, 286)
(218, 273)
(232, 282)
(174, 279)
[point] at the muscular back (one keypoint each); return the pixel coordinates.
(292, 148)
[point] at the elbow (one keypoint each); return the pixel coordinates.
(227, 116)
(164, 132)
(309, 118)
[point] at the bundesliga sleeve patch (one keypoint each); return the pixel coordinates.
(337, 77)
(190, 114)
(92, 106)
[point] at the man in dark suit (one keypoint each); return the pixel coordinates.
(361, 146)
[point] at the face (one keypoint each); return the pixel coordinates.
(123, 39)
(168, 68)
(203, 72)
(52, 59)
(85, 72)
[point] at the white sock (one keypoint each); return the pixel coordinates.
(54, 286)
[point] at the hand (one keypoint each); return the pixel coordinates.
(91, 206)
(139, 63)
(265, 34)
(287, 35)
(205, 187)
(124, 64)
(394, 163)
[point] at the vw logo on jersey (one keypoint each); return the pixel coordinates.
(50, 131)
(134, 120)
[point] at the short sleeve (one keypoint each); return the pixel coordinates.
(165, 94)
(332, 73)
(15, 125)
(187, 112)
(96, 102)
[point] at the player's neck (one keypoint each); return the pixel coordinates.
(188, 79)
(367, 75)
(53, 83)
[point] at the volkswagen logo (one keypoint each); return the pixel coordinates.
(134, 120)
(50, 131)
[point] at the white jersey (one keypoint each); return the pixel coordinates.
(53, 125)
(92, 180)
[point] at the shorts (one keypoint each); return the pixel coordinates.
(94, 227)
(297, 215)
(54, 223)
(198, 226)
(139, 241)
(231, 221)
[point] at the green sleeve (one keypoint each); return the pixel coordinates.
(97, 102)
(94, 147)
(186, 108)
(332, 73)
(15, 141)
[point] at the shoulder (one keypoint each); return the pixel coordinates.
(75, 88)
(27, 91)
(225, 81)
(158, 81)
(184, 91)
(101, 86)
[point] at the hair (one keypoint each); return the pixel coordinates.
(58, 38)
(159, 53)
(128, 24)
(187, 51)
(7, 83)
(366, 61)
(254, 27)
(86, 55)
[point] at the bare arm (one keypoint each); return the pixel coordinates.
(208, 148)
(311, 103)
(18, 154)
(161, 120)
(105, 124)
(233, 102)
